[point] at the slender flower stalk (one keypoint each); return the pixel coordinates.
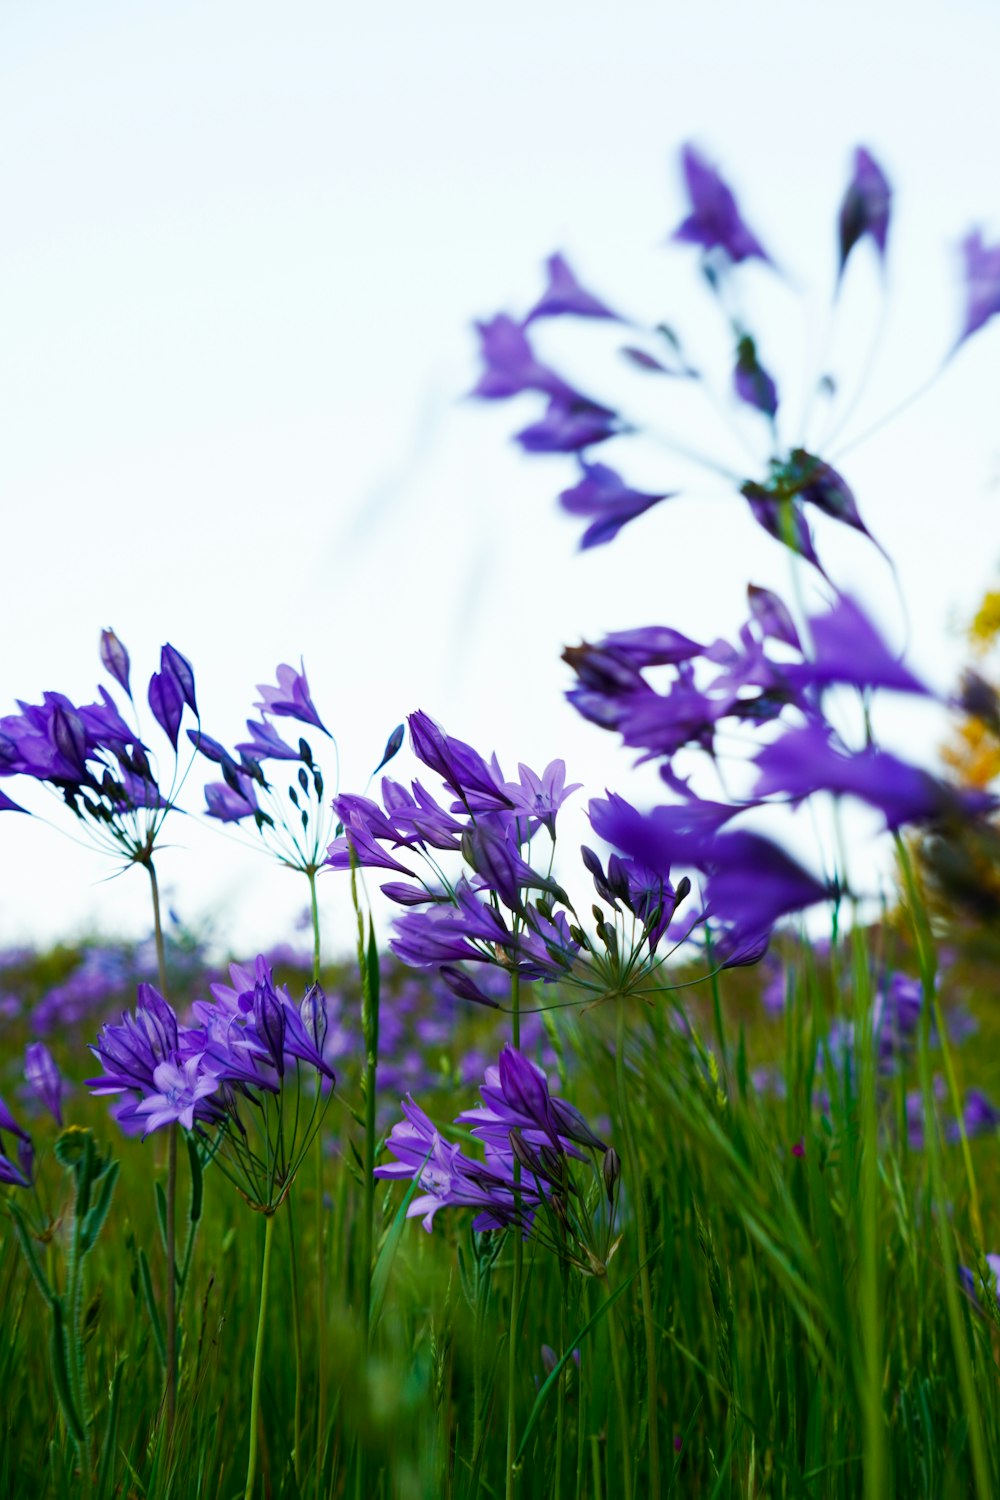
(258, 1359)
(171, 1189)
(642, 1240)
(515, 1286)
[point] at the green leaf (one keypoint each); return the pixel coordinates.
(149, 1295)
(546, 1389)
(96, 1215)
(105, 1472)
(161, 1211)
(383, 1264)
(28, 1250)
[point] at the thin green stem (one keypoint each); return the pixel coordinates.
(171, 1189)
(297, 1345)
(561, 1392)
(320, 1218)
(616, 1369)
(638, 1199)
(258, 1359)
(515, 1290)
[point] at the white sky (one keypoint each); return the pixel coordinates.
(242, 247)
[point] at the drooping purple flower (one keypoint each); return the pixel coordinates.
(603, 494)
(115, 659)
(571, 423)
(865, 207)
(848, 649)
(752, 882)
(982, 283)
(44, 1078)
(751, 382)
(564, 294)
(180, 1087)
(290, 698)
(804, 760)
(714, 221)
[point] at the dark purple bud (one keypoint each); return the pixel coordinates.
(604, 495)
(115, 659)
(612, 1169)
(865, 209)
(751, 381)
(269, 1021)
(714, 221)
(167, 703)
(178, 667)
(209, 748)
(978, 698)
(465, 988)
(8, 1123)
(392, 746)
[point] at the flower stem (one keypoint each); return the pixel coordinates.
(296, 1344)
(561, 1392)
(171, 1190)
(515, 1290)
(320, 1224)
(638, 1198)
(616, 1368)
(258, 1359)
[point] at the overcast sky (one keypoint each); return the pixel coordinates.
(242, 247)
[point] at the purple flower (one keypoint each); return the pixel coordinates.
(232, 803)
(571, 422)
(290, 698)
(540, 797)
(130, 1051)
(714, 221)
(511, 366)
(603, 494)
(564, 294)
(865, 208)
(479, 786)
(180, 1088)
(982, 283)
(751, 382)
(44, 1079)
(804, 761)
(980, 1116)
(848, 649)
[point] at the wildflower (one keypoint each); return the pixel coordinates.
(751, 382)
(290, 698)
(180, 1088)
(982, 283)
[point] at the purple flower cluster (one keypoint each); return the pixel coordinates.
(531, 1139)
(239, 1047)
(95, 759)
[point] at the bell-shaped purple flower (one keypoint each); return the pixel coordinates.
(290, 698)
(180, 1087)
(511, 366)
(270, 1022)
